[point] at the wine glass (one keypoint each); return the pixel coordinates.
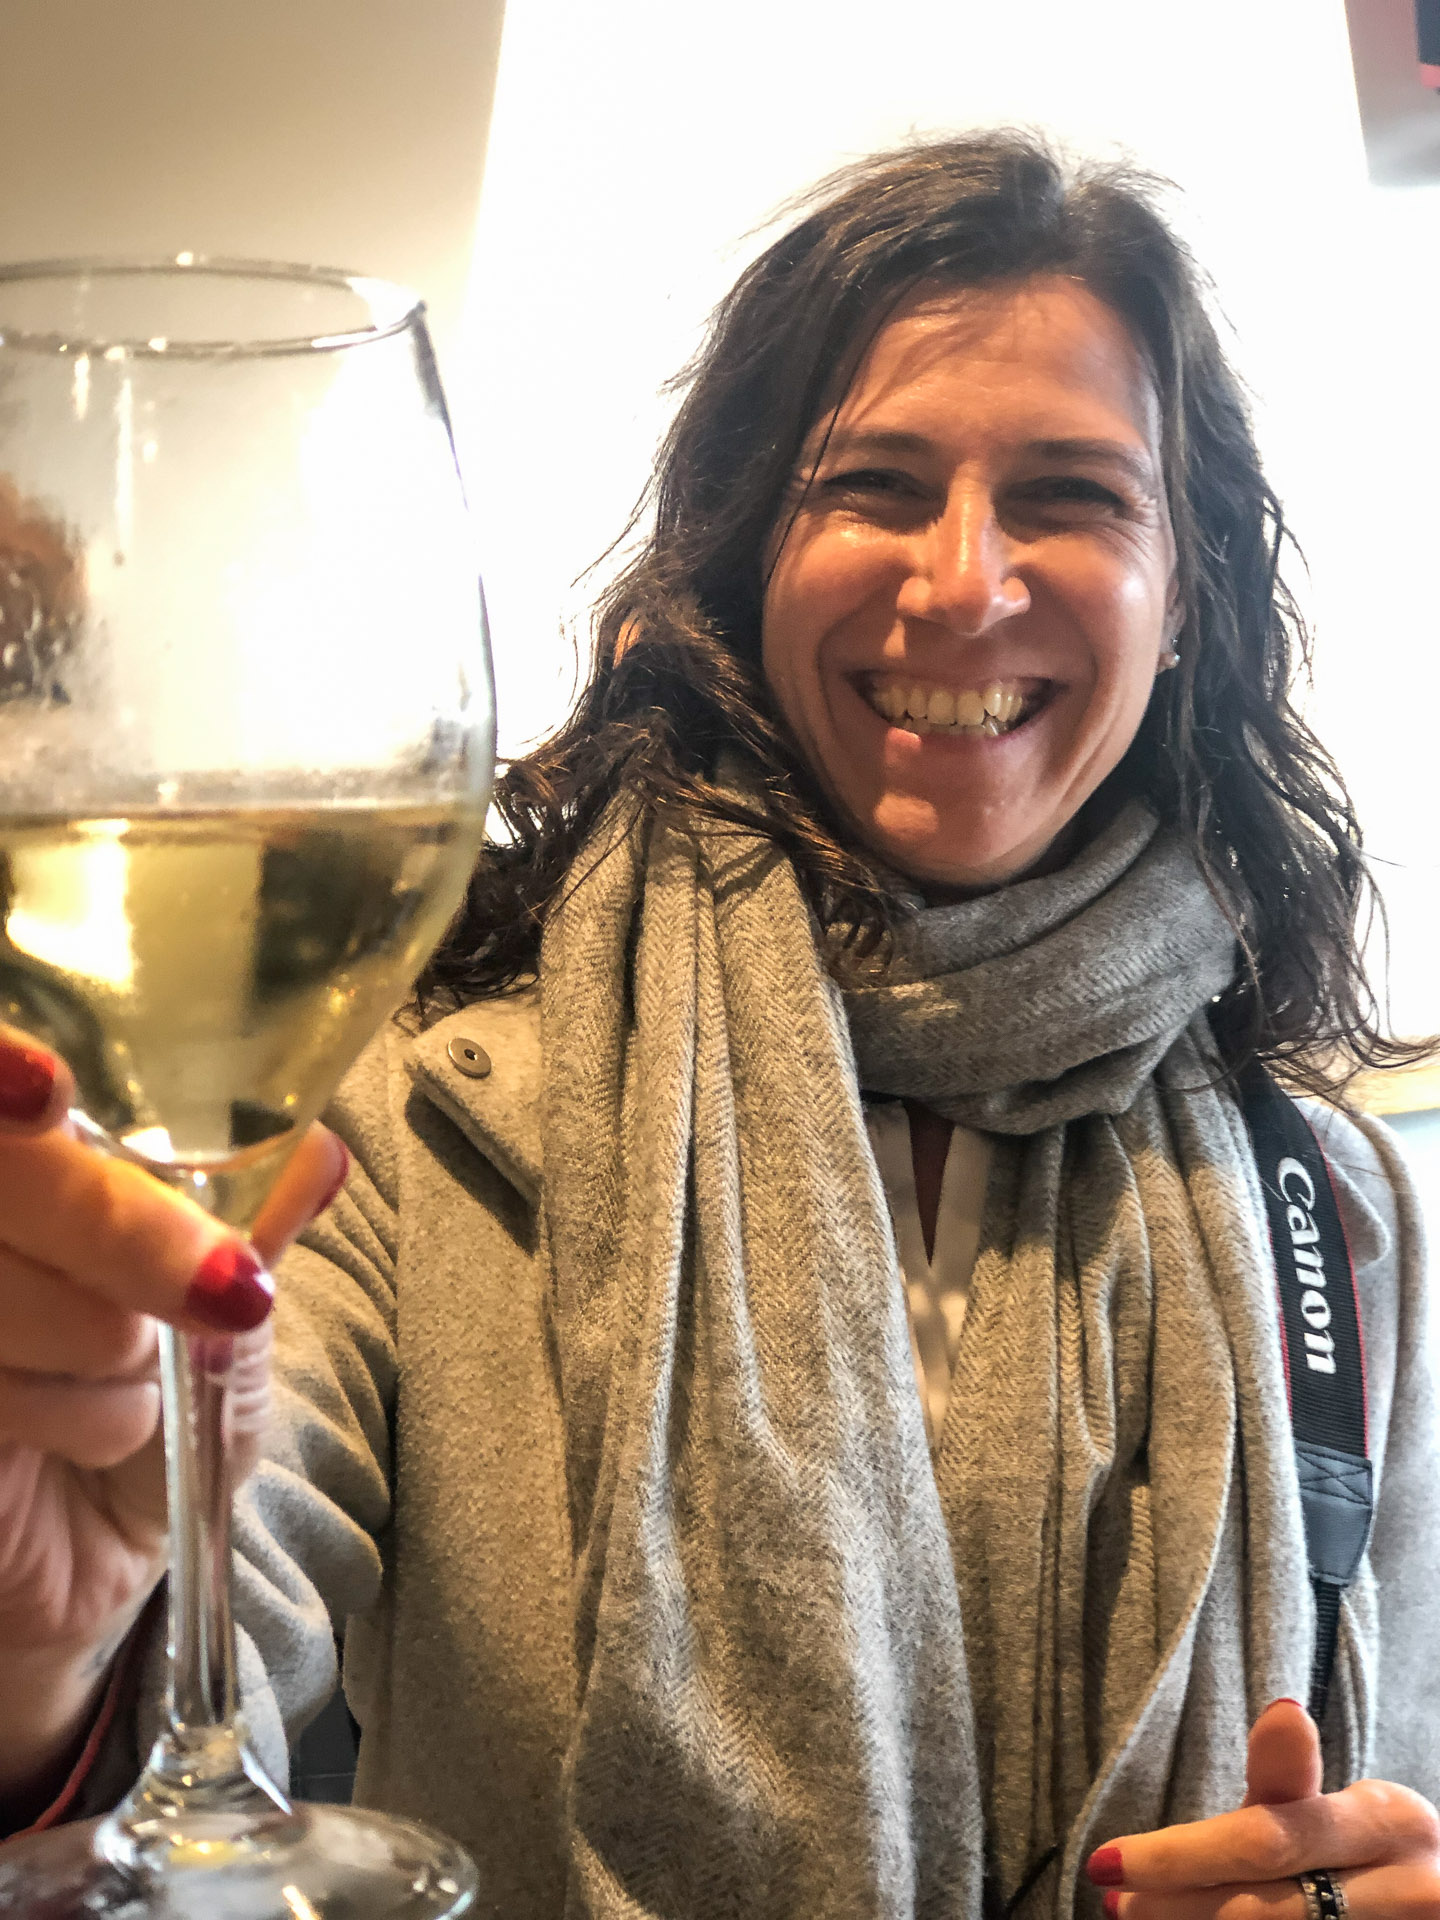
(246, 745)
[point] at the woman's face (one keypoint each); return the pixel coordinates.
(967, 613)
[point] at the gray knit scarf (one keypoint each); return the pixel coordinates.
(823, 1675)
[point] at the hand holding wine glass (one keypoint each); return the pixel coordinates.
(94, 1252)
(246, 742)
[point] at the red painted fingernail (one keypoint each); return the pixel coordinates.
(27, 1080)
(1104, 1867)
(341, 1177)
(1286, 1701)
(231, 1290)
(214, 1354)
(1111, 1904)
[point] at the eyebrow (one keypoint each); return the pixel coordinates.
(1138, 464)
(1132, 460)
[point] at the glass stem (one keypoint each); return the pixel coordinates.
(202, 1693)
(201, 1783)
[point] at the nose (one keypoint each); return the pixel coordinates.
(963, 573)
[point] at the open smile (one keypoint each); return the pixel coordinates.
(925, 706)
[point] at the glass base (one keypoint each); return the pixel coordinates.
(320, 1863)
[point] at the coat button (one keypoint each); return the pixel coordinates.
(468, 1057)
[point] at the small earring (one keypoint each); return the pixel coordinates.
(1170, 658)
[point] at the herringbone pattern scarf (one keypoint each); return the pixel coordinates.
(820, 1674)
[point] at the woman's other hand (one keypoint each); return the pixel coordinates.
(1379, 1842)
(93, 1253)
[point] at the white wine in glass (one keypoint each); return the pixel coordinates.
(246, 746)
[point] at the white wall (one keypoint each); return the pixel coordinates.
(634, 146)
(343, 132)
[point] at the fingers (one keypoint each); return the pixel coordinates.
(36, 1089)
(1283, 1762)
(89, 1423)
(51, 1324)
(90, 1245)
(313, 1177)
(1246, 1865)
(1404, 1888)
(249, 1384)
(123, 1236)
(1400, 1888)
(1270, 1900)
(1365, 1824)
(247, 1401)
(98, 1423)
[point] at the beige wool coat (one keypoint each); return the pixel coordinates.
(414, 1491)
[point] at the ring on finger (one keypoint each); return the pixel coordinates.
(1324, 1896)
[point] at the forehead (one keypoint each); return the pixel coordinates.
(1025, 357)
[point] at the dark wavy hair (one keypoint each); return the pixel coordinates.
(1222, 752)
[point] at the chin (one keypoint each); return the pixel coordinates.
(958, 861)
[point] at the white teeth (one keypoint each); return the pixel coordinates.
(1004, 703)
(942, 710)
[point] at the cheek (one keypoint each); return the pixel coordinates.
(792, 624)
(821, 587)
(781, 654)
(1123, 611)
(782, 628)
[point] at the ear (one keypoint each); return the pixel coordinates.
(1174, 621)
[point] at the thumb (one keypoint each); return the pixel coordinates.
(1283, 1761)
(312, 1178)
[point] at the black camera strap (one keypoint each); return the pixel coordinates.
(1324, 1354)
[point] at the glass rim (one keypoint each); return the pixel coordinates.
(400, 306)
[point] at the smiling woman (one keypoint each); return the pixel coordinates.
(1016, 359)
(791, 1408)
(954, 675)
(981, 530)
